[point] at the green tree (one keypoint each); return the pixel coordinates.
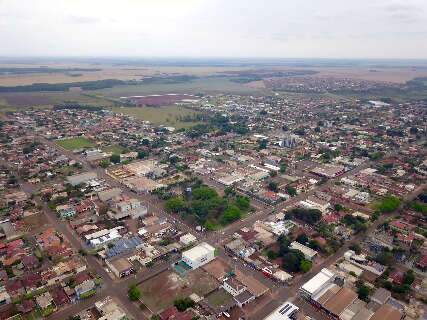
(204, 193)
(183, 304)
(292, 260)
(291, 191)
(243, 203)
(104, 163)
(302, 238)
(115, 158)
(175, 204)
(389, 204)
(134, 293)
(232, 213)
(363, 292)
(273, 186)
(305, 265)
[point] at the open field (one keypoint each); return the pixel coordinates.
(50, 98)
(115, 149)
(201, 85)
(168, 116)
(75, 143)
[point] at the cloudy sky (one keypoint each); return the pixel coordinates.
(215, 28)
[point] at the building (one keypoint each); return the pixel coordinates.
(120, 267)
(387, 312)
(85, 289)
(128, 208)
(286, 311)
(109, 310)
(317, 283)
(65, 211)
(199, 255)
(309, 253)
(77, 179)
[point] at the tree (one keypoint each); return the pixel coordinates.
(243, 203)
(273, 186)
(262, 144)
(115, 158)
(133, 293)
(183, 304)
(363, 292)
(142, 154)
(311, 216)
(291, 191)
(204, 193)
(355, 247)
(229, 191)
(282, 168)
(104, 163)
(175, 204)
(305, 265)
(408, 277)
(338, 207)
(271, 254)
(232, 213)
(302, 238)
(292, 260)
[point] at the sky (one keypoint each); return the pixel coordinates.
(380, 29)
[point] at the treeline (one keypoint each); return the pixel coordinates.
(86, 85)
(7, 71)
(169, 79)
(76, 106)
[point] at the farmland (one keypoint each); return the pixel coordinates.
(75, 143)
(169, 116)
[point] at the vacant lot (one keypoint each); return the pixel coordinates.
(75, 143)
(159, 292)
(168, 116)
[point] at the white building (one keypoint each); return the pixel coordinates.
(309, 253)
(316, 284)
(285, 312)
(128, 208)
(199, 255)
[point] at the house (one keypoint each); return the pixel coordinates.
(109, 310)
(48, 239)
(187, 239)
(199, 255)
(120, 267)
(44, 300)
(84, 289)
(381, 296)
(422, 262)
(316, 284)
(60, 298)
(65, 211)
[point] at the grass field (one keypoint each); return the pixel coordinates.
(115, 149)
(75, 143)
(168, 116)
(200, 85)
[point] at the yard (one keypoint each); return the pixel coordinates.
(220, 299)
(75, 143)
(168, 116)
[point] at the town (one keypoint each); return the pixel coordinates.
(270, 207)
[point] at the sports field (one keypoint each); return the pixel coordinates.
(75, 143)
